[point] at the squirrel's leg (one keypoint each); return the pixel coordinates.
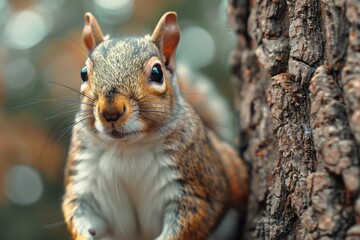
(193, 218)
(82, 221)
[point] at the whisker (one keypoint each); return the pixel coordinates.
(71, 126)
(50, 100)
(54, 225)
(151, 124)
(196, 93)
(64, 113)
(84, 53)
(105, 143)
(159, 112)
(48, 141)
(115, 178)
(77, 91)
(29, 104)
(142, 99)
(61, 107)
(69, 105)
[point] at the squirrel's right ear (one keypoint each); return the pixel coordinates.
(92, 33)
(166, 37)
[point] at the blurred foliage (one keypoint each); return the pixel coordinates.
(41, 54)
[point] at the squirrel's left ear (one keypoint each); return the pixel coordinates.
(166, 37)
(92, 33)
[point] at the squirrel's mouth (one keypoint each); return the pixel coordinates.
(121, 135)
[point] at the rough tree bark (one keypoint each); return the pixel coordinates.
(297, 91)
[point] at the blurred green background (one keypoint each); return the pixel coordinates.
(40, 43)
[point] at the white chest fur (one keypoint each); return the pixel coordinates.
(130, 189)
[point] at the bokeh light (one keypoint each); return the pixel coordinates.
(26, 29)
(19, 73)
(114, 12)
(23, 185)
(3, 4)
(197, 47)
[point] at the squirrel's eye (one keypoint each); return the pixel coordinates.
(156, 74)
(83, 74)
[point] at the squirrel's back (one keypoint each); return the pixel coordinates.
(201, 93)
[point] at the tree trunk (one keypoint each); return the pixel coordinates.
(297, 92)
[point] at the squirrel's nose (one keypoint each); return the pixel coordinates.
(113, 116)
(117, 110)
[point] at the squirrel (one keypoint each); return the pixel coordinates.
(142, 163)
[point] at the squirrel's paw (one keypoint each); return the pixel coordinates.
(90, 228)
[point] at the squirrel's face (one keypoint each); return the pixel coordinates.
(128, 90)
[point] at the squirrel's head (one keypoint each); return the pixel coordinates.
(128, 86)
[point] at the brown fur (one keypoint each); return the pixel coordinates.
(70, 203)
